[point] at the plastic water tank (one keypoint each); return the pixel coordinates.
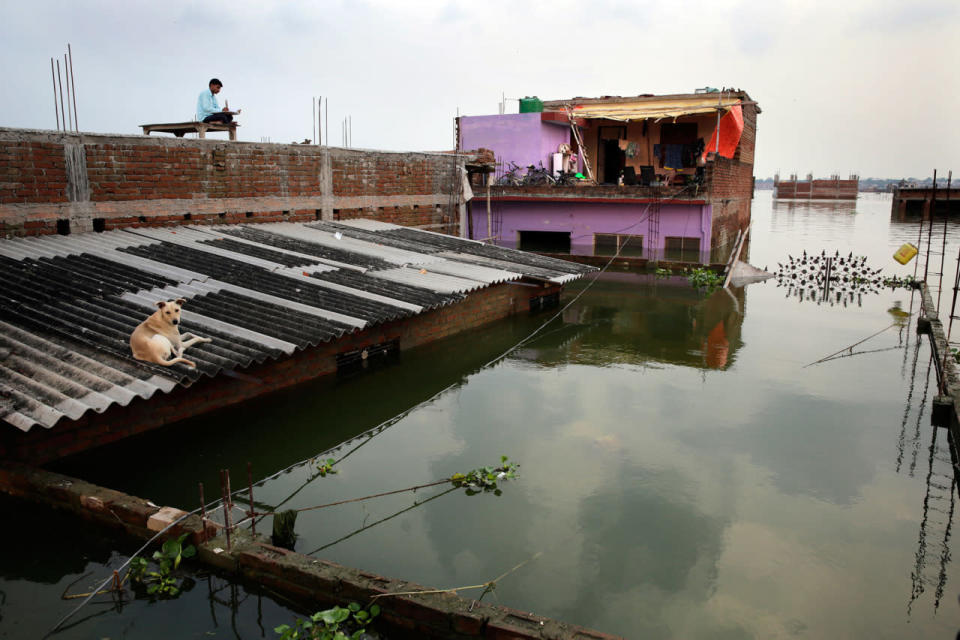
(531, 104)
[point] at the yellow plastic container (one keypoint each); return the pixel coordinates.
(905, 253)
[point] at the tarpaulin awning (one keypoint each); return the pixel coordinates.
(730, 129)
(642, 109)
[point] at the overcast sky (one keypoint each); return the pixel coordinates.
(853, 86)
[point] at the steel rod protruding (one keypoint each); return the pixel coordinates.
(253, 519)
(56, 109)
(62, 109)
(69, 112)
(73, 83)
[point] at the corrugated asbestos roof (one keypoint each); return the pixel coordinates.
(68, 304)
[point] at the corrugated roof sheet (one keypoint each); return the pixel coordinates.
(68, 304)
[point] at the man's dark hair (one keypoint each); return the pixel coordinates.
(216, 82)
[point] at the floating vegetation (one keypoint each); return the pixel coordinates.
(704, 278)
(835, 279)
(486, 478)
(338, 623)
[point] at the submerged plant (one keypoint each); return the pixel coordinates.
(338, 623)
(704, 278)
(486, 478)
(162, 582)
(662, 273)
(326, 466)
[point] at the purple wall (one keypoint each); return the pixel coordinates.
(514, 137)
(583, 219)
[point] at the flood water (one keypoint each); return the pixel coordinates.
(686, 470)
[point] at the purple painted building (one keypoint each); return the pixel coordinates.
(667, 176)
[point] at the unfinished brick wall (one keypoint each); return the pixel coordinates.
(41, 445)
(86, 182)
(730, 185)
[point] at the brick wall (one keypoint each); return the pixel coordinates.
(40, 445)
(88, 182)
(730, 185)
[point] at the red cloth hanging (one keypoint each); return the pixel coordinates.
(731, 127)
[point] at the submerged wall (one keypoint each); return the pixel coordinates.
(54, 181)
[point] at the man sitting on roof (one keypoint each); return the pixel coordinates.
(208, 109)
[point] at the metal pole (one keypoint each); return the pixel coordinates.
(313, 117)
(253, 519)
(319, 122)
(327, 120)
(69, 115)
(953, 305)
(943, 249)
(56, 109)
(73, 83)
(62, 110)
(719, 102)
(203, 514)
(933, 209)
(350, 130)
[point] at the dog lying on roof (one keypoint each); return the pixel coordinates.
(158, 337)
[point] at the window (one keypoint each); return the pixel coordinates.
(608, 244)
(545, 241)
(678, 248)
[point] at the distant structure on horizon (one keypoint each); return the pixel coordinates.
(832, 188)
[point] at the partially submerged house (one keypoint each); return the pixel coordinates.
(298, 260)
(666, 176)
(832, 188)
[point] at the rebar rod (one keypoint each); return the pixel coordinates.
(203, 514)
(224, 497)
(253, 520)
(56, 109)
(62, 110)
(73, 83)
(313, 117)
(67, 73)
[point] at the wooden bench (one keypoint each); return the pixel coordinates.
(200, 128)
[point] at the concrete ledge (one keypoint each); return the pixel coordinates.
(310, 582)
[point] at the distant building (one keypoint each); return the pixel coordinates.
(661, 181)
(832, 188)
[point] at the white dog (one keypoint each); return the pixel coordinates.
(158, 337)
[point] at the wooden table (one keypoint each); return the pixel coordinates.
(200, 128)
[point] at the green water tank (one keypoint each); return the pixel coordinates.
(531, 104)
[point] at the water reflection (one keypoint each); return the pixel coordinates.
(662, 320)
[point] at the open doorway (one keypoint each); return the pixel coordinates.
(545, 241)
(610, 157)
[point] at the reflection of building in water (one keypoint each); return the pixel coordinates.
(636, 318)
(825, 206)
